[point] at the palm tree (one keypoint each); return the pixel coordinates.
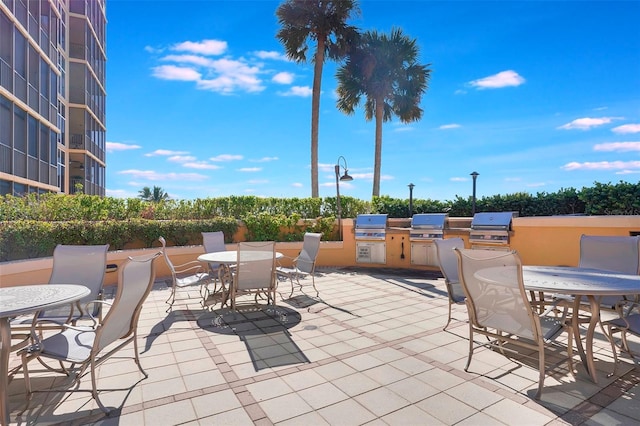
(322, 21)
(385, 70)
(156, 195)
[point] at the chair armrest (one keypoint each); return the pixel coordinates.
(630, 304)
(189, 266)
(292, 259)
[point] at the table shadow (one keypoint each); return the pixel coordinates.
(263, 330)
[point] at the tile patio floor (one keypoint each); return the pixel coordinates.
(370, 350)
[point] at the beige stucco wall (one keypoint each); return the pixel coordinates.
(538, 240)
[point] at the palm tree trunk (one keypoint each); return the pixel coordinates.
(315, 115)
(378, 151)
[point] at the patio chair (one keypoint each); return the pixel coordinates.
(623, 325)
(72, 264)
(448, 263)
(255, 272)
(304, 264)
(185, 275)
(619, 254)
(214, 242)
(83, 346)
(498, 307)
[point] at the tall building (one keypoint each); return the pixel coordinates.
(52, 96)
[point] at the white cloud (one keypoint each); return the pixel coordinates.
(117, 146)
(586, 123)
(250, 169)
(201, 61)
(449, 126)
(257, 181)
(283, 78)
(627, 128)
(617, 146)
(264, 54)
(181, 158)
(151, 175)
(119, 193)
(496, 81)
(628, 172)
(404, 129)
(536, 184)
(200, 165)
(172, 72)
(302, 91)
(459, 179)
(226, 157)
(204, 47)
(602, 165)
(297, 185)
(165, 152)
(265, 160)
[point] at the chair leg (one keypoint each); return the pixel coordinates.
(466, 367)
(449, 318)
(614, 350)
(136, 356)
(541, 370)
(313, 283)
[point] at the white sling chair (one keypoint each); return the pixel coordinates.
(448, 262)
(83, 345)
(184, 275)
(498, 306)
(214, 242)
(255, 272)
(305, 263)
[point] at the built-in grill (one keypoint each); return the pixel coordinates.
(370, 235)
(427, 226)
(371, 227)
(491, 230)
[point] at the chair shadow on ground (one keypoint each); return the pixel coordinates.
(413, 280)
(263, 330)
(53, 390)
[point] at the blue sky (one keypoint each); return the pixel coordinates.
(533, 95)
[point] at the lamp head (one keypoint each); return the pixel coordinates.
(345, 177)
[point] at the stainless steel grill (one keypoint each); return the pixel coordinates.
(370, 235)
(491, 230)
(427, 226)
(371, 227)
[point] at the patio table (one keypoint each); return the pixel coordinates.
(20, 300)
(577, 282)
(226, 259)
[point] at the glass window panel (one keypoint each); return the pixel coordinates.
(32, 136)
(21, 54)
(19, 129)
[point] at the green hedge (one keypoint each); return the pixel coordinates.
(23, 239)
(32, 225)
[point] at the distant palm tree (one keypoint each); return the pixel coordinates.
(385, 70)
(156, 195)
(322, 21)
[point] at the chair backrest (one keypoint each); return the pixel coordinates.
(306, 260)
(166, 258)
(213, 242)
(447, 259)
(612, 253)
(256, 264)
(496, 298)
(135, 280)
(82, 264)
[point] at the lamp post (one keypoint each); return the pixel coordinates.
(474, 175)
(343, 178)
(411, 186)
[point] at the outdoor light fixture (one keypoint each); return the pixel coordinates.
(411, 186)
(344, 178)
(474, 175)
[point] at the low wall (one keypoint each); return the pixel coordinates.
(539, 241)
